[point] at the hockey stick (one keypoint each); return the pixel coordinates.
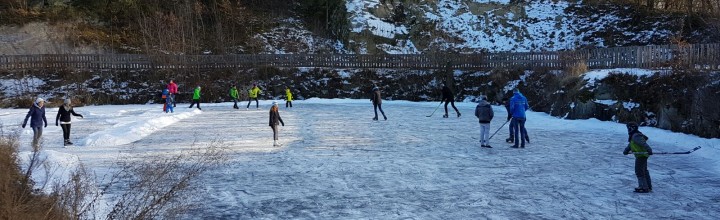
(686, 152)
(501, 126)
(436, 108)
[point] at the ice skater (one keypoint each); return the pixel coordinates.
(637, 144)
(172, 88)
(169, 104)
(63, 116)
(376, 99)
(518, 106)
(253, 93)
(484, 113)
(449, 98)
(196, 98)
(288, 97)
(234, 95)
(37, 117)
(274, 119)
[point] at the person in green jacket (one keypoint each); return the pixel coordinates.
(642, 151)
(234, 96)
(196, 98)
(253, 94)
(288, 97)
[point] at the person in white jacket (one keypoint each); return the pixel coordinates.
(485, 114)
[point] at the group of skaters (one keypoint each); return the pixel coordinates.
(515, 106)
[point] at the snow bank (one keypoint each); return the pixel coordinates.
(16, 87)
(596, 75)
(131, 129)
(55, 168)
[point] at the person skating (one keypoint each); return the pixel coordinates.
(253, 94)
(172, 88)
(196, 98)
(63, 116)
(288, 97)
(376, 99)
(37, 118)
(484, 113)
(511, 139)
(509, 118)
(275, 120)
(637, 144)
(169, 104)
(449, 98)
(165, 95)
(518, 106)
(234, 95)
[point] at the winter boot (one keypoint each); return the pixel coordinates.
(375, 119)
(445, 116)
(510, 139)
(65, 142)
(275, 143)
(527, 139)
(385, 117)
(458, 113)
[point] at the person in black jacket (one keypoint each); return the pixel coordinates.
(37, 119)
(376, 99)
(274, 119)
(63, 116)
(448, 97)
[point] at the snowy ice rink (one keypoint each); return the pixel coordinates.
(336, 163)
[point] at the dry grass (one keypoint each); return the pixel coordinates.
(18, 200)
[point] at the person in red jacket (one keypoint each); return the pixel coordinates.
(172, 87)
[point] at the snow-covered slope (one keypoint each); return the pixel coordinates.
(492, 25)
(338, 164)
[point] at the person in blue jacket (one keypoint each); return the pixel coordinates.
(518, 106)
(37, 119)
(168, 101)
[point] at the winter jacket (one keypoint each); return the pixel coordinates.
(254, 92)
(38, 116)
(447, 94)
(288, 95)
(234, 93)
(275, 118)
(165, 93)
(196, 93)
(518, 105)
(172, 87)
(638, 145)
(63, 114)
(376, 97)
(484, 112)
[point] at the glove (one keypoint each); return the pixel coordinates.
(283, 124)
(56, 124)
(625, 153)
(81, 116)
(509, 118)
(46, 125)
(23, 126)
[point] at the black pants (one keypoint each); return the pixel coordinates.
(66, 131)
(172, 96)
(235, 105)
(288, 104)
(195, 101)
(642, 173)
(376, 107)
(452, 102)
(257, 103)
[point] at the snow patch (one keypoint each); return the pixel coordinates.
(55, 168)
(129, 130)
(596, 75)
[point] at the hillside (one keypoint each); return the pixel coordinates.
(341, 26)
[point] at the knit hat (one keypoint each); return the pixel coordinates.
(275, 103)
(67, 101)
(38, 100)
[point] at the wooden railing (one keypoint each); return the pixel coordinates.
(702, 56)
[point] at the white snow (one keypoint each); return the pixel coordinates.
(55, 168)
(16, 87)
(606, 102)
(336, 163)
(599, 74)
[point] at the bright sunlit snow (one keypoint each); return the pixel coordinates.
(336, 163)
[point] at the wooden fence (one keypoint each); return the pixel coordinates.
(699, 56)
